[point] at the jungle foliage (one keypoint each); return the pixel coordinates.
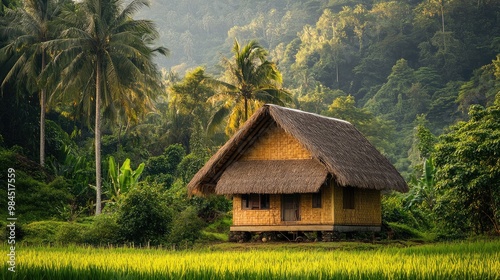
(420, 79)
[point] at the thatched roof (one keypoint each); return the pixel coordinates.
(281, 176)
(334, 144)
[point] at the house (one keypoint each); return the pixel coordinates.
(292, 171)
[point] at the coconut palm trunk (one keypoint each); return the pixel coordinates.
(98, 179)
(43, 108)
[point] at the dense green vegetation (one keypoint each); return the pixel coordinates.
(88, 117)
(468, 260)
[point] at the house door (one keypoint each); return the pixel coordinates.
(290, 207)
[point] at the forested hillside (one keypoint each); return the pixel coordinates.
(398, 59)
(420, 79)
(198, 32)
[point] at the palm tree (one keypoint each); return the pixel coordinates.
(106, 63)
(25, 52)
(251, 80)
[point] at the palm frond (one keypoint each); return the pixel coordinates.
(273, 96)
(131, 9)
(223, 87)
(252, 80)
(20, 62)
(218, 117)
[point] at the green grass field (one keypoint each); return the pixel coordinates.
(466, 260)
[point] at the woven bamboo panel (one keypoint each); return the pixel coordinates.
(367, 208)
(276, 144)
(327, 204)
(257, 217)
(272, 216)
(323, 215)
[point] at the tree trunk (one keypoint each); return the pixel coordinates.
(442, 15)
(337, 70)
(42, 127)
(43, 108)
(246, 107)
(442, 24)
(98, 138)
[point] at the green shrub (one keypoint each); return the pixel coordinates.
(400, 231)
(166, 180)
(143, 215)
(394, 212)
(174, 154)
(26, 168)
(103, 230)
(218, 230)
(42, 232)
(221, 225)
(7, 159)
(167, 162)
(186, 227)
(71, 233)
(189, 165)
(37, 200)
(212, 207)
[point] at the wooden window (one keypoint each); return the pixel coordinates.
(316, 200)
(244, 201)
(265, 201)
(348, 197)
(255, 201)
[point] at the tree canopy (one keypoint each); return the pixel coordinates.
(468, 172)
(420, 79)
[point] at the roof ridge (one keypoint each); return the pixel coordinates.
(305, 112)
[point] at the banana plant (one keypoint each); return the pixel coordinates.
(122, 179)
(423, 190)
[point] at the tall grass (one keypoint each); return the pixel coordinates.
(478, 260)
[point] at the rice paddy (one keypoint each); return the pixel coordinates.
(467, 260)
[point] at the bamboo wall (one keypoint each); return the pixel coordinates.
(323, 215)
(272, 216)
(276, 144)
(367, 208)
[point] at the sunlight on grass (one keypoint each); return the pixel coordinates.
(478, 260)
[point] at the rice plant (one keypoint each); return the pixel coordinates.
(477, 260)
